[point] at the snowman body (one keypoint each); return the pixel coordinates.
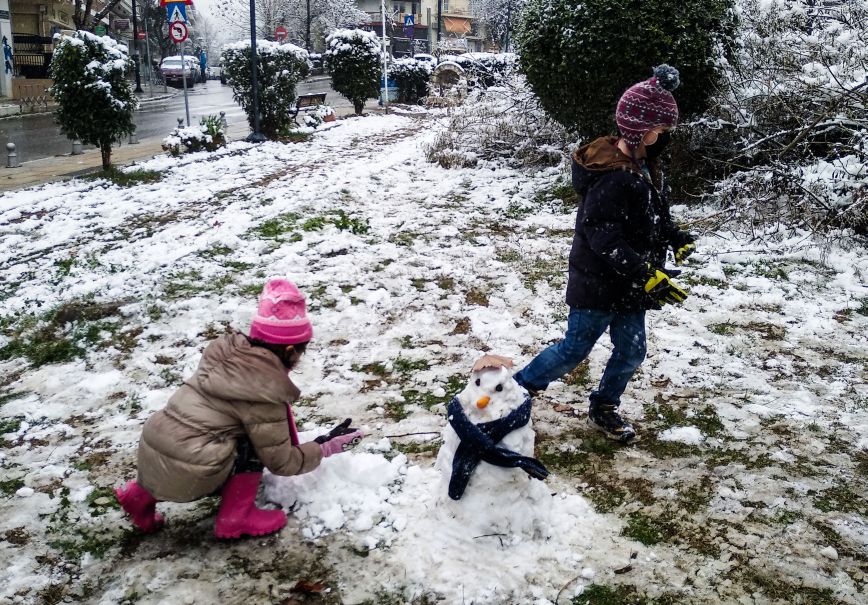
(496, 499)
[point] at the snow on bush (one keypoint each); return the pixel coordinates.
(95, 98)
(315, 118)
(279, 69)
(412, 78)
(208, 135)
(790, 131)
(353, 60)
(503, 123)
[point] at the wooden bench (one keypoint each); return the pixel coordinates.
(308, 103)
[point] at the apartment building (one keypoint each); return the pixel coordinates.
(454, 32)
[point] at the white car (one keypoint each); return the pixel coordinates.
(425, 57)
(173, 74)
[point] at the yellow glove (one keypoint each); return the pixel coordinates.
(683, 252)
(662, 290)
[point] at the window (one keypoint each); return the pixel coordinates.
(445, 6)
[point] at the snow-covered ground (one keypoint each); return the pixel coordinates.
(748, 486)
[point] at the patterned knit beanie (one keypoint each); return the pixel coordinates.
(281, 318)
(647, 105)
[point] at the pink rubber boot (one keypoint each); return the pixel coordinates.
(140, 506)
(238, 514)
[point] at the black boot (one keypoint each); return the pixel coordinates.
(605, 417)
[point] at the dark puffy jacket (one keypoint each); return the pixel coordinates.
(622, 226)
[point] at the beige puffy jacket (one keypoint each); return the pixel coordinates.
(187, 449)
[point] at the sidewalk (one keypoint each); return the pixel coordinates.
(57, 168)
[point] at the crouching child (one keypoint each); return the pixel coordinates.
(231, 419)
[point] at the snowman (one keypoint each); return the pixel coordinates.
(486, 461)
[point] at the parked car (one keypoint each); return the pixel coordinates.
(213, 72)
(426, 58)
(174, 75)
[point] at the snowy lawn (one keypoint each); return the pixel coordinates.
(748, 486)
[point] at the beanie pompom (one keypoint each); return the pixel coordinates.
(667, 77)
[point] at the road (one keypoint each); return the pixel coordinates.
(38, 136)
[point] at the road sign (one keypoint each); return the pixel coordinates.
(409, 28)
(100, 30)
(178, 32)
(142, 36)
(280, 33)
(176, 12)
(168, 2)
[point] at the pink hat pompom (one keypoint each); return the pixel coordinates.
(282, 315)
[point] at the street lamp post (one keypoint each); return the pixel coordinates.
(255, 136)
(136, 47)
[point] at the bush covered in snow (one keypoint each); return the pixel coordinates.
(504, 123)
(789, 133)
(580, 55)
(412, 77)
(314, 119)
(208, 135)
(279, 69)
(95, 98)
(353, 60)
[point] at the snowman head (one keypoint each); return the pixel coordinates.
(491, 394)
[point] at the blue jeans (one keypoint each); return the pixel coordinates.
(584, 328)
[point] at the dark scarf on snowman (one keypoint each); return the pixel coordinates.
(479, 443)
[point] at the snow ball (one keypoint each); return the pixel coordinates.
(24, 492)
(363, 523)
(370, 542)
(383, 445)
(830, 553)
(332, 517)
(588, 573)
(540, 231)
(399, 524)
(683, 434)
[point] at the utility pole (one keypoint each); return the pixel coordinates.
(439, 22)
(255, 136)
(136, 47)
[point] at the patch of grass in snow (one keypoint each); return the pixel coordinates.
(508, 255)
(476, 296)
(101, 500)
(64, 266)
(773, 586)
(404, 238)
(840, 499)
(12, 396)
(399, 596)
(696, 497)
(126, 179)
(190, 282)
(580, 376)
(339, 219)
(407, 367)
(10, 486)
(645, 529)
(596, 594)
(66, 332)
(771, 270)
(722, 329)
(665, 415)
(422, 448)
(10, 425)
(703, 280)
(428, 399)
(862, 309)
(278, 226)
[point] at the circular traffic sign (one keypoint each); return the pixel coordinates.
(178, 31)
(280, 33)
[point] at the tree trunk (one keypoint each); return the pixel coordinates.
(358, 106)
(105, 150)
(307, 29)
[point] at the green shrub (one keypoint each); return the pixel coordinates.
(94, 97)
(353, 60)
(411, 76)
(207, 136)
(279, 69)
(579, 56)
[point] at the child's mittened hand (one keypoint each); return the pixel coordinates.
(341, 443)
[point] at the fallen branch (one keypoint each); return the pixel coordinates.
(410, 434)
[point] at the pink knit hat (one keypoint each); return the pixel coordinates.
(281, 318)
(647, 105)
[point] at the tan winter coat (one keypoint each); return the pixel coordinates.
(187, 449)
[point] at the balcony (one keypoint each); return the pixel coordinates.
(457, 12)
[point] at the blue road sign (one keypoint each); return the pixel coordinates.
(176, 11)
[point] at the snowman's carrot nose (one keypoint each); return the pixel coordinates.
(483, 401)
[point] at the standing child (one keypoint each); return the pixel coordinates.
(230, 419)
(623, 230)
